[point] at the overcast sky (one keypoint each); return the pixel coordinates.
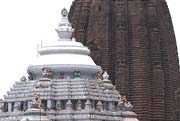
(24, 23)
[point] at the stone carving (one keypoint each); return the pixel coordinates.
(123, 104)
(47, 73)
(77, 74)
(98, 74)
(79, 105)
(99, 106)
(30, 75)
(24, 106)
(16, 106)
(23, 78)
(42, 84)
(61, 76)
(88, 105)
(121, 100)
(36, 103)
(69, 105)
(58, 105)
(105, 75)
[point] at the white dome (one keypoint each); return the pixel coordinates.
(65, 54)
(65, 59)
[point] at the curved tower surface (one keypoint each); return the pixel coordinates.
(64, 84)
(134, 41)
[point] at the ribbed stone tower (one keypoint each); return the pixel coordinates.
(134, 41)
(64, 84)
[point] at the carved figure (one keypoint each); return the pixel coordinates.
(23, 78)
(77, 74)
(128, 105)
(105, 75)
(47, 73)
(24, 106)
(30, 75)
(123, 104)
(122, 100)
(42, 85)
(16, 106)
(79, 105)
(98, 74)
(36, 103)
(61, 76)
(58, 105)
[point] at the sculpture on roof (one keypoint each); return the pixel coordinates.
(36, 102)
(98, 74)
(61, 76)
(123, 104)
(30, 75)
(46, 73)
(58, 105)
(105, 75)
(77, 74)
(16, 106)
(23, 78)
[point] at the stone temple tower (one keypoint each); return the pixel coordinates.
(134, 41)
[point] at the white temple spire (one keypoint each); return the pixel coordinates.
(64, 29)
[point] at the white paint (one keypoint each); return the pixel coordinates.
(24, 23)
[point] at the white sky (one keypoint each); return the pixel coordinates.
(24, 23)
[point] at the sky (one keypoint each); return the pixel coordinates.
(24, 23)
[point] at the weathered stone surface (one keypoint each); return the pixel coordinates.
(134, 41)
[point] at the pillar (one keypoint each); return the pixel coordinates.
(49, 104)
(9, 107)
(29, 104)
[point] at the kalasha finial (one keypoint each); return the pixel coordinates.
(64, 29)
(64, 12)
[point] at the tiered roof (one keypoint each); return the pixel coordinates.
(65, 84)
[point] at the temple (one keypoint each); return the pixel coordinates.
(134, 41)
(65, 84)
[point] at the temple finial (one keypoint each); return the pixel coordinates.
(64, 12)
(64, 29)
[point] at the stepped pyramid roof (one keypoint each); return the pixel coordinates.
(65, 84)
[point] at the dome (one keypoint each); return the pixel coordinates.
(65, 54)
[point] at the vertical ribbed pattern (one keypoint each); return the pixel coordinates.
(157, 76)
(139, 93)
(121, 46)
(134, 41)
(169, 60)
(95, 21)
